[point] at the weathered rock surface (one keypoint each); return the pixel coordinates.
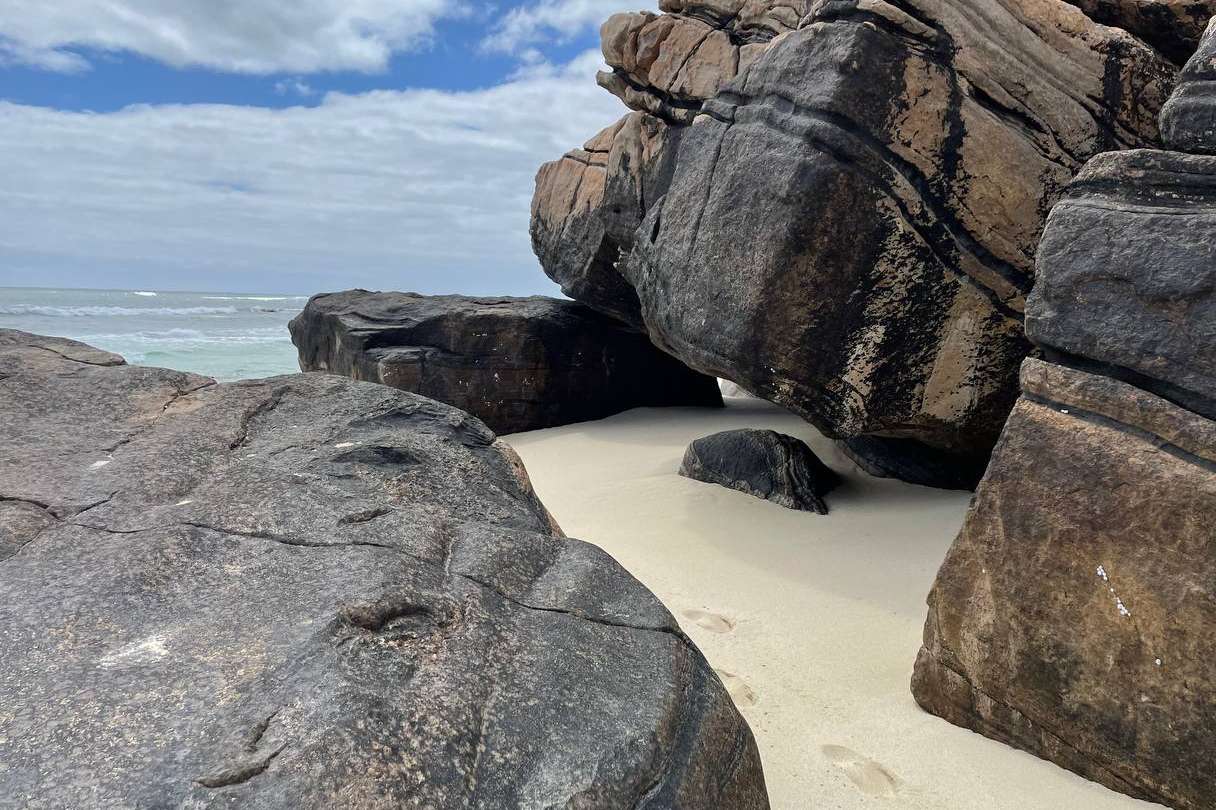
(589, 205)
(669, 64)
(515, 363)
(1127, 279)
(1073, 616)
(1171, 26)
(849, 226)
(762, 463)
(1188, 122)
(313, 592)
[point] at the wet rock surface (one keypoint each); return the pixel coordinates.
(314, 592)
(848, 226)
(764, 464)
(515, 363)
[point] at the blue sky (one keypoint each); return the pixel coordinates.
(287, 145)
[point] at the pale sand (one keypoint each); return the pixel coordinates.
(813, 622)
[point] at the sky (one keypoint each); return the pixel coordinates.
(288, 145)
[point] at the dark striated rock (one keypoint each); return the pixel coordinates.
(915, 463)
(515, 363)
(763, 463)
(1073, 616)
(589, 205)
(312, 592)
(1171, 26)
(849, 226)
(1188, 121)
(1128, 274)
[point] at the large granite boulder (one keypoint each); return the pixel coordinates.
(762, 463)
(515, 363)
(311, 592)
(1073, 616)
(849, 224)
(589, 204)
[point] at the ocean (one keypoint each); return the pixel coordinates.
(228, 336)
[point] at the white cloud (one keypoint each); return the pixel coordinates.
(418, 189)
(550, 19)
(294, 87)
(245, 36)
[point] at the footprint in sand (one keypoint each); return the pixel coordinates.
(712, 622)
(870, 777)
(737, 688)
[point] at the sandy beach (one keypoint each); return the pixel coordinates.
(813, 622)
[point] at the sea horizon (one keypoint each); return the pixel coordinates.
(220, 334)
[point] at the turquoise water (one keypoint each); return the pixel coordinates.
(229, 336)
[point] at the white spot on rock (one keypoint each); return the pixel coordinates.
(343, 445)
(183, 503)
(146, 651)
(97, 465)
(1105, 577)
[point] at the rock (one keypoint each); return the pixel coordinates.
(1126, 274)
(588, 205)
(848, 227)
(515, 363)
(309, 592)
(1072, 617)
(669, 64)
(912, 462)
(1188, 122)
(22, 351)
(1171, 26)
(762, 463)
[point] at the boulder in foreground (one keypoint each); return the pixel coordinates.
(1073, 616)
(515, 363)
(310, 592)
(763, 463)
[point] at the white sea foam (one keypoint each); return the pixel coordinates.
(255, 297)
(227, 336)
(180, 337)
(105, 312)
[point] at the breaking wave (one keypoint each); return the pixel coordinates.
(105, 312)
